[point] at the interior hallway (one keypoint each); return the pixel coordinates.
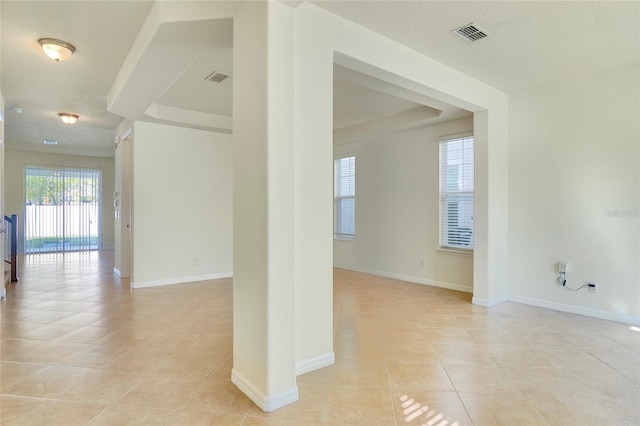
(79, 347)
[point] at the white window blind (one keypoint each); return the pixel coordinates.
(344, 197)
(456, 193)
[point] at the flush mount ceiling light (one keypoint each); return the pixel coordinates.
(68, 118)
(57, 50)
(50, 142)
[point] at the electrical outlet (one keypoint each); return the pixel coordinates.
(563, 267)
(195, 261)
(422, 263)
(593, 287)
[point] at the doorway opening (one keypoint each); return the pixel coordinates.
(62, 209)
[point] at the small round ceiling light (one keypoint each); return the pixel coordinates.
(68, 118)
(57, 50)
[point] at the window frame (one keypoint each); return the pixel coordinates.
(338, 233)
(445, 195)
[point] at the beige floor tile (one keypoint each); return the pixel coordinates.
(12, 373)
(307, 409)
(168, 361)
(410, 351)
(607, 385)
(103, 387)
(360, 349)
(543, 380)
(49, 332)
(218, 397)
(164, 356)
(573, 359)
(119, 414)
(194, 418)
(347, 405)
(16, 329)
(403, 333)
(449, 334)
(21, 411)
(405, 376)
(507, 356)
(562, 409)
(437, 321)
(472, 378)
(80, 319)
(593, 339)
(162, 391)
(367, 374)
(620, 358)
(88, 334)
(430, 408)
(545, 338)
(49, 352)
(13, 348)
(49, 381)
(506, 409)
(496, 337)
(47, 317)
(259, 421)
(464, 353)
(94, 356)
(320, 377)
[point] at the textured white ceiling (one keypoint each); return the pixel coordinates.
(353, 104)
(103, 32)
(531, 43)
(192, 92)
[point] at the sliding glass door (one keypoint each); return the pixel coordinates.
(62, 209)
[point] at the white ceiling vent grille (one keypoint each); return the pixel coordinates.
(217, 77)
(471, 32)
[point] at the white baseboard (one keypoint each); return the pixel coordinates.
(411, 279)
(487, 303)
(180, 280)
(116, 272)
(315, 363)
(266, 403)
(580, 310)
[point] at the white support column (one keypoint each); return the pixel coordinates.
(491, 204)
(263, 218)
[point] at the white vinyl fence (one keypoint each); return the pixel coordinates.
(61, 227)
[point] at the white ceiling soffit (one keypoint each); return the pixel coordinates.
(532, 43)
(365, 106)
(164, 79)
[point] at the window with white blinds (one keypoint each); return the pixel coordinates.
(456, 193)
(344, 197)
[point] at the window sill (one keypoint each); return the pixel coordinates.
(344, 237)
(458, 252)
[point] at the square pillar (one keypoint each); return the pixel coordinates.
(263, 206)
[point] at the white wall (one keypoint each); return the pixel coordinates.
(181, 205)
(397, 209)
(574, 194)
(357, 48)
(15, 162)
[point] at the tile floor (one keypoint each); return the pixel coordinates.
(78, 347)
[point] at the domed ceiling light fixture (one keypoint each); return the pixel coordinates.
(68, 118)
(57, 50)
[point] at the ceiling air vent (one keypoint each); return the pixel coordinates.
(217, 77)
(471, 32)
